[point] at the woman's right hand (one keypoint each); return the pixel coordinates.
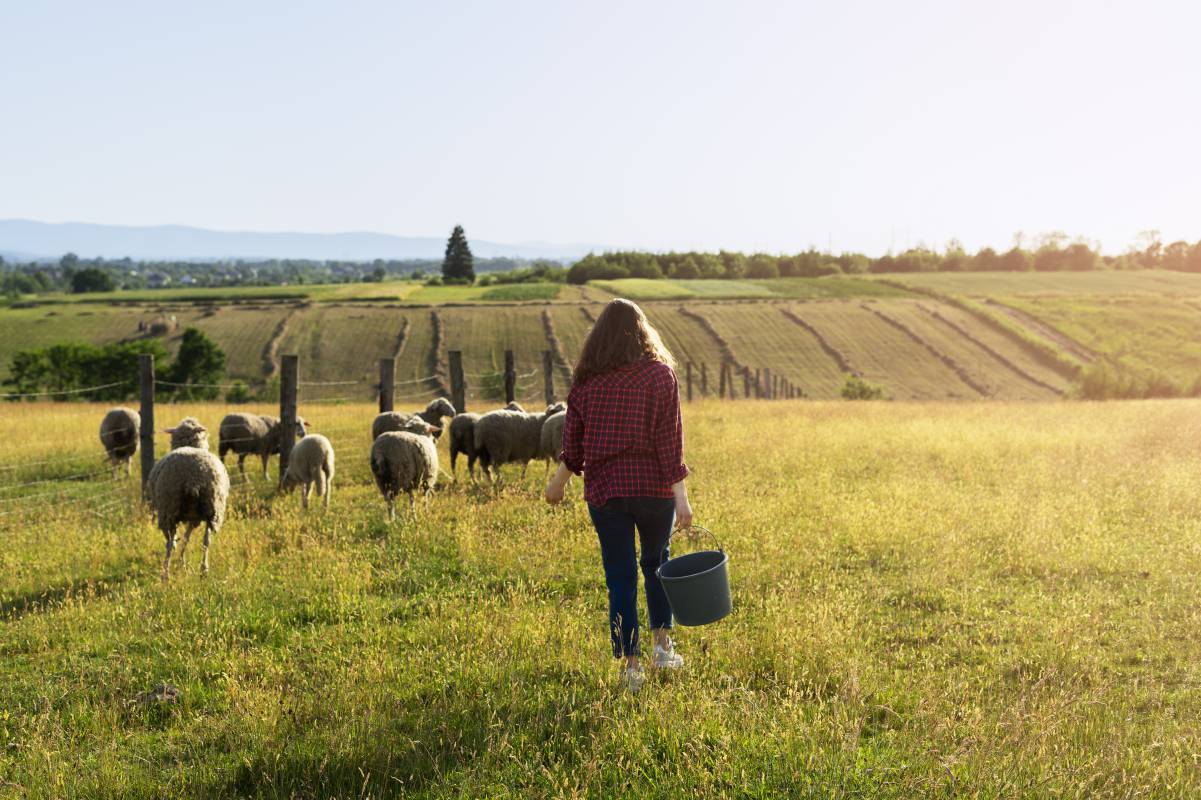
(683, 507)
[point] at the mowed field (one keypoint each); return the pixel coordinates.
(985, 336)
(931, 599)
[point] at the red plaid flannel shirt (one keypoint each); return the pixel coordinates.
(624, 434)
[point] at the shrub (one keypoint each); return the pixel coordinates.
(856, 388)
(239, 392)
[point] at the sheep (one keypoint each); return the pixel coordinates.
(189, 433)
(462, 438)
(119, 435)
(311, 461)
(395, 420)
(405, 461)
(188, 485)
(551, 439)
(252, 434)
(505, 436)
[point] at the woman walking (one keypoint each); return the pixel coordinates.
(623, 433)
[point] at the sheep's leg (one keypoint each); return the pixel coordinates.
(524, 466)
(187, 537)
(329, 489)
(128, 467)
(204, 562)
(242, 466)
(391, 499)
(170, 535)
(265, 458)
(304, 495)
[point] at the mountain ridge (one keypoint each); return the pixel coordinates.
(50, 240)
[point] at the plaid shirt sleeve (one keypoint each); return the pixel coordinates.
(667, 438)
(573, 432)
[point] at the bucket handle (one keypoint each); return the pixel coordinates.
(693, 527)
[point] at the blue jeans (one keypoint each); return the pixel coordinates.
(615, 522)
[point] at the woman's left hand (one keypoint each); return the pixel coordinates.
(683, 507)
(554, 492)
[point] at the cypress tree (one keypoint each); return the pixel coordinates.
(458, 264)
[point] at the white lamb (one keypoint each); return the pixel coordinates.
(311, 462)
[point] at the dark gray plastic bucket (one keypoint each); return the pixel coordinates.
(697, 585)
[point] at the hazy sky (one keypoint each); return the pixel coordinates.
(745, 125)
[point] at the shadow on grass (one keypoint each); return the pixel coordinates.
(95, 587)
(421, 741)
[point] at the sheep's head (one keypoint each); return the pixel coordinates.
(555, 408)
(420, 427)
(441, 407)
(288, 482)
(189, 433)
(300, 427)
(514, 406)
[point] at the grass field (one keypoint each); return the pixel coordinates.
(930, 600)
(1146, 323)
(1156, 282)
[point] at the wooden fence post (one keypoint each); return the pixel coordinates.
(767, 383)
(721, 381)
(458, 389)
(775, 387)
(387, 383)
(288, 369)
(688, 374)
(146, 379)
(704, 380)
(758, 383)
(548, 376)
(510, 378)
(746, 383)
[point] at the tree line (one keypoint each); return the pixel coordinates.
(57, 372)
(1050, 253)
(74, 274)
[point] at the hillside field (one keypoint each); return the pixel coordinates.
(931, 599)
(970, 336)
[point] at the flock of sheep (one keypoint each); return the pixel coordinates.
(190, 485)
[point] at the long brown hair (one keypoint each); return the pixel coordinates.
(621, 336)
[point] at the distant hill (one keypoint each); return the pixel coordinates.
(44, 240)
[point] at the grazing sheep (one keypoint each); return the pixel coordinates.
(462, 438)
(503, 437)
(119, 434)
(311, 461)
(551, 440)
(395, 420)
(252, 434)
(405, 461)
(189, 433)
(188, 485)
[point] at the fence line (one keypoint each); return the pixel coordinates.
(66, 391)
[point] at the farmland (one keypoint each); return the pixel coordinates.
(996, 336)
(932, 599)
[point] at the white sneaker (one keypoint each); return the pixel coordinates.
(633, 679)
(667, 659)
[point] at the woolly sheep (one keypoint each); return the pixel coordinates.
(188, 485)
(252, 434)
(119, 434)
(503, 437)
(395, 420)
(311, 461)
(405, 461)
(462, 438)
(551, 439)
(189, 433)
